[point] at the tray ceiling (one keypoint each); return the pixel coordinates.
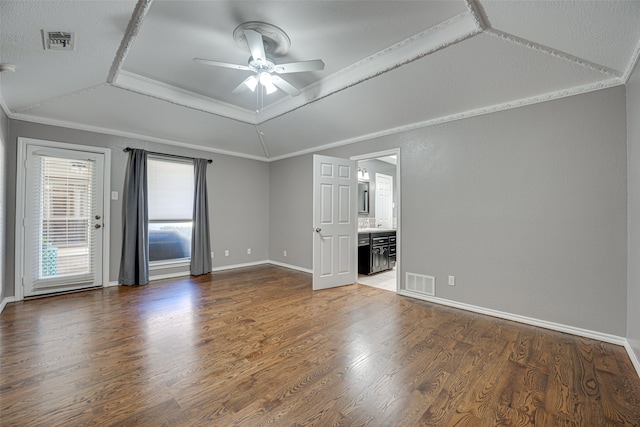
(390, 66)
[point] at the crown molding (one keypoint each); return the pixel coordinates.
(459, 116)
(632, 64)
(479, 18)
(435, 38)
(61, 97)
(175, 95)
(261, 138)
(135, 23)
(431, 122)
(445, 34)
(553, 52)
(132, 135)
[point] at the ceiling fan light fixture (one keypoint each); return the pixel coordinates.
(251, 83)
(265, 79)
(270, 88)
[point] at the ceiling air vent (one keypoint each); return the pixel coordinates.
(58, 40)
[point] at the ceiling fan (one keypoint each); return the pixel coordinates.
(264, 39)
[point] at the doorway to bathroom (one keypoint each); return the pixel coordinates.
(378, 218)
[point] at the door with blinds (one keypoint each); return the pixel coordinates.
(63, 220)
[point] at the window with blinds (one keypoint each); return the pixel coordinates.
(66, 199)
(170, 188)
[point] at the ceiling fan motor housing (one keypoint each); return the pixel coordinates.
(276, 41)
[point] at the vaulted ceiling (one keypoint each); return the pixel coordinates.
(389, 66)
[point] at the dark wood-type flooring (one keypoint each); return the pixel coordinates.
(256, 346)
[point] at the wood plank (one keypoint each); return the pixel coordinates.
(257, 346)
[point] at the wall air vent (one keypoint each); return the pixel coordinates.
(421, 284)
(58, 40)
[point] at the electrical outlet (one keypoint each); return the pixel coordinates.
(452, 280)
(211, 254)
(248, 251)
(284, 253)
(226, 252)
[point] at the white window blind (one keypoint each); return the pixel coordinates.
(170, 190)
(66, 200)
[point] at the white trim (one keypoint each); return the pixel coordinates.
(125, 134)
(632, 355)
(169, 275)
(600, 336)
(5, 301)
(26, 109)
(592, 87)
(291, 266)
(385, 153)
(134, 25)
(146, 86)
(427, 42)
(221, 268)
(632, 64)
(232, 266)
(20, 200)
(163, 265)
(604, 84)
(510, 38)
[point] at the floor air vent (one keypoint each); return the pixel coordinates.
(421, 284)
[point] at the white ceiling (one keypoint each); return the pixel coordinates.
(390, 66)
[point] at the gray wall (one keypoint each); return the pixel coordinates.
(238, 196)
(373, 167)
(633, 264)
(4, 137)
(291, 211)
(526, 207)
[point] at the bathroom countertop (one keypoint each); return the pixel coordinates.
(375, 230)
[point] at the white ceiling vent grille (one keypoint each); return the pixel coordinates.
(59, 40)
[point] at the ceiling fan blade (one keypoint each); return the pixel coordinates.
(297, 67)
(256, 45)
(221, 64)
(285, 85)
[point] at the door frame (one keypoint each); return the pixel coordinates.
(20, 205)
(375, 155)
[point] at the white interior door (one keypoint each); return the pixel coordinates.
(334, 240)
(63, 220)
(384, 201)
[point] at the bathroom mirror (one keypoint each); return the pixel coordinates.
(363, 197)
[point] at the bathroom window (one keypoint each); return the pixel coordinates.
(170, 185)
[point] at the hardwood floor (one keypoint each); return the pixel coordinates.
(257, 346)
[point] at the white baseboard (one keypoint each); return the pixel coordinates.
(246, 264)
(222, 268)
(292, 267)
(632, 355)
(612, 339)
(5, 301)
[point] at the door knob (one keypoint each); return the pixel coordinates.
(97, 226)
(98, 217)
(318, 230)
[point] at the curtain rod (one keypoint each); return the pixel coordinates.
(126, 150)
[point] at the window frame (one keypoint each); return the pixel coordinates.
(172, 262)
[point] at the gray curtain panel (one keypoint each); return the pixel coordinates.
(200, 242)
(134, 264)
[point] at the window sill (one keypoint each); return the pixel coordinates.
(173, 263)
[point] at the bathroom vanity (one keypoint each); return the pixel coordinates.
(376, 250)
